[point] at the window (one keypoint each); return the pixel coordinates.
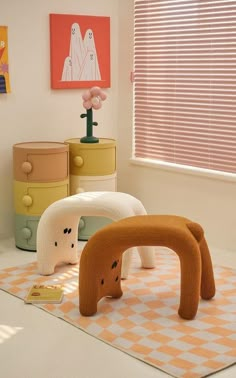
(185, 83)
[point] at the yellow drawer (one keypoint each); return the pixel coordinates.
(92, 159)
(34, 198)
(41, 161)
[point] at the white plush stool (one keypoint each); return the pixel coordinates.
(57, 232)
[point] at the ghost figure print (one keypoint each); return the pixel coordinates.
(67, 70)
(79, 51)
(90, 69)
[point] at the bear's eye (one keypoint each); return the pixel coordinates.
(115, 263)
(69, 230)
(117, 278)
(65, 230)
(102, 281)
(55, 244)
(72, 245)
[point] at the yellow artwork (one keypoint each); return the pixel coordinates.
(4, 67)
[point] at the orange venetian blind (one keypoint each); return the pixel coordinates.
(185, 83)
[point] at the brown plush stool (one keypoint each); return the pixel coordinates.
(100, 264)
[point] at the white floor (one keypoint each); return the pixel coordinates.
(34, 344)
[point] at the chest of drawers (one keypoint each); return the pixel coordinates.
(92, 168)
(41, 177)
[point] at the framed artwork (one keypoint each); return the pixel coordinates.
(79, 51)
(4, 67)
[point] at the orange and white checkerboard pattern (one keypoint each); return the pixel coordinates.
(144, 321)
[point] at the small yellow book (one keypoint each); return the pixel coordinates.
(45, 294)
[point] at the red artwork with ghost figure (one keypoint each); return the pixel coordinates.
(79, 51)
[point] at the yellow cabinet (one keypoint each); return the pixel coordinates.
(92, 159)
(92, 168)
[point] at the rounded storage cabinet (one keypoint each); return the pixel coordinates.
(41, 177)
(92, 168)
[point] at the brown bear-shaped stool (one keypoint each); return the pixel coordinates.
(100, 263)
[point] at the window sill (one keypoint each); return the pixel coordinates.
(175, 168)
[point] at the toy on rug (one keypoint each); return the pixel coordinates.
(92, 100)
(57, 232)
(100, 263)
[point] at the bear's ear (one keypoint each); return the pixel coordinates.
(196, 230)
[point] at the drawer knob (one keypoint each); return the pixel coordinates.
(78, 161)
(26, 233)
(81, 224)
(26, 167)
(27, 200)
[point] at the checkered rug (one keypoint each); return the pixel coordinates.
(144, 322)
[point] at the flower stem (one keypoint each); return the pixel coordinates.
(89, 138)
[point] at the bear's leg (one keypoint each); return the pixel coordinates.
(207, 280)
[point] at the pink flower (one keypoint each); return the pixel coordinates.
(93, 98)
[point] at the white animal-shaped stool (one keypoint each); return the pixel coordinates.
(57, 231)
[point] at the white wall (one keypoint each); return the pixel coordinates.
(210, 202)
(33, 111)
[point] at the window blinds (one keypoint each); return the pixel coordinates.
(185, 82)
